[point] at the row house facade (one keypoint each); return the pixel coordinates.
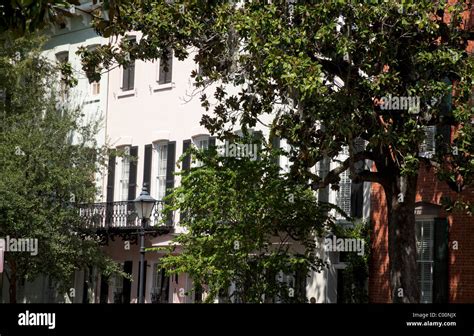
(150, 111)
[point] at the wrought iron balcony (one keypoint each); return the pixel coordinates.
(121, 215)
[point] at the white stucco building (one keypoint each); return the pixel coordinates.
(153, 115)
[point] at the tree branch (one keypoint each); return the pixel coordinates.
(366, 175)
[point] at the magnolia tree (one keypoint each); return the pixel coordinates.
(329, 73)
(249, 231)
(48, 158)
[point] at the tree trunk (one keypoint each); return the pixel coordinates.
(400, 194)
(13, 281)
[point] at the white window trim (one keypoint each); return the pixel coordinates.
(163, 87)
(155, 165)
(195, 141)
(128, 93)
(166, 86)
(119, 172)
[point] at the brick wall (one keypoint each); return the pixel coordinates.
(461, 233)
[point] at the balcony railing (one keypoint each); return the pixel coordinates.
(121, 215)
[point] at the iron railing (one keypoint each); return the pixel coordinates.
(121, 215)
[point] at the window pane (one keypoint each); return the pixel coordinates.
(162, 153)
(424, 249)
(343, 197)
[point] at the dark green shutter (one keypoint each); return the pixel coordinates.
(165, 286)
(357, 189)
(127, 283)
(170, 163)
(187, 157)
(440, 258)
(147, 167)
(110, 189)
(104, 289)
(111, 177)
(186, 167)
(132, 176)
(444, 130)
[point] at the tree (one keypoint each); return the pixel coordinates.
(322, 70)
(27, 16)
(48, 158)
(246, 225)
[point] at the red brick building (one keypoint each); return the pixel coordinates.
(446, 240)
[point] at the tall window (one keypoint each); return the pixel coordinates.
(161, 283)
(128, 74)
(201, 143)
(62, 58)
(427, 148)
(424, 248)
(166, 69)
(125, 173)
(128, 77)
(162, 160)
(117, 287)
(343, 196)
(95, 86)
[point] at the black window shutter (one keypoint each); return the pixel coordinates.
(132, 177)
(111, 177)
(147, 166)
(186, 167)
(187, 158)
(170, 163)
(144, 282)
(440, 258)
(276, 145)
(445, 132)
(127, 283)
(104, 289)
(446, 114)
(357, 199)
(110, 189)
(357, 189)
